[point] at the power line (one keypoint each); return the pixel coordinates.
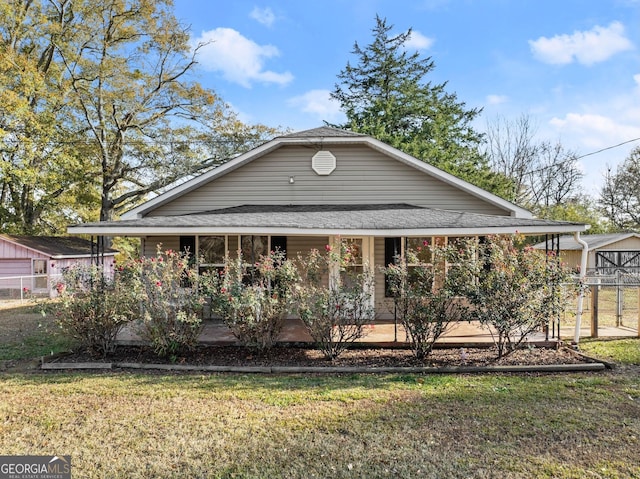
(575, 158)
(607, 148)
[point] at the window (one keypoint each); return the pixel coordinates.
(253, 247)
(39, 269)
(353, 259)
(212, 251)
(392, 253)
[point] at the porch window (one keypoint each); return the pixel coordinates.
(253, 247)
(212, 250)
(354, 259)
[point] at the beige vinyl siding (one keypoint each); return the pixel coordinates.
(362, 176)
(628, 244)
(150, 244)
(572, 259)
(304, 244)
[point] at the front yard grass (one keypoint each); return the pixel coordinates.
(25, 333)
(623, 351)
(122, 425)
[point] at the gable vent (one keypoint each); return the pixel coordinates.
(323, 162)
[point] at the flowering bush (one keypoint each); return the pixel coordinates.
(93, 309)
(168, 291)
(253, 300)
(335, 308)
(518, 290)
(426, 294)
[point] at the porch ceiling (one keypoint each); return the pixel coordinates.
(353, 220)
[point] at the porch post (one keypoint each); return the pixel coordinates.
(583, 273)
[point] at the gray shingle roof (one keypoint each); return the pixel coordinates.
(55, 245)
(335, 217)
(322, 132)
(594, 241)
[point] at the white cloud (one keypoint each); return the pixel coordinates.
(240, 59)
(595, 131)
(319, 103)
(418, 41)
(587, 48)
(497, 99)
(636, 78)
(264, 16)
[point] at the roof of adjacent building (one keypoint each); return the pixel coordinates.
(374, 220)
(56, 246)
(593, 241)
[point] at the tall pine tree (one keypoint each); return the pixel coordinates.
(387, 95)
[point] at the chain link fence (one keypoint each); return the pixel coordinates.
(24, 287)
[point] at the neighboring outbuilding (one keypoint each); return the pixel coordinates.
(35, 263)
(608, 253)
(315, 188)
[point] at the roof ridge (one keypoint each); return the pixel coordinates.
(322, 131)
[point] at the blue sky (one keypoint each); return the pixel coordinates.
(572, 66)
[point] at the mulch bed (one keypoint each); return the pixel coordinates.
(302, 357)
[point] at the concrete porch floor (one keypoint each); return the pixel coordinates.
(462, 334)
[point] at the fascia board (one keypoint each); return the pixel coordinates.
(193, 230)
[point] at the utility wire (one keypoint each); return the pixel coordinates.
(607, 148)
(575, 158)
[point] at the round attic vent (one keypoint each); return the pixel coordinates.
(323, 162)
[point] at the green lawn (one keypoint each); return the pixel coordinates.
(25, 333)
(130, 425)
(123, 425)
(623, 351)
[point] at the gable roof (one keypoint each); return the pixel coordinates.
(357, 220)
(324, 136)
(593, 241)
(56, 246)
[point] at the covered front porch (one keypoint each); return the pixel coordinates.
(379, 334)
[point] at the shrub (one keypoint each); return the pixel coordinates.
(335, 308)
(92, 309)
(168, 291)
(253, 300)
(426, 293)
(517, 290)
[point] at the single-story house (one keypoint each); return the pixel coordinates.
(608, 253)
(34, 262)
(317, 187)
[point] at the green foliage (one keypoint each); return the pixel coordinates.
(517, 290)
(100, 108)
(578, 210)
(334, 300)
(168, 291)
(92, 308)
(39, 169)
(253, 300)
(425, 284)
(387, 95)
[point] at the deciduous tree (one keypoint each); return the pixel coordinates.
(620, 195)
